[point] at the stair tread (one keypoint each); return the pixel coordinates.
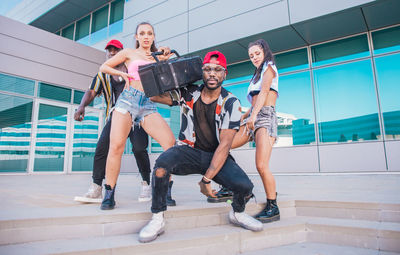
(176, 237)
(309, 248)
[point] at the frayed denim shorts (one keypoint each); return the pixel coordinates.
(266, 118)
(136, 103)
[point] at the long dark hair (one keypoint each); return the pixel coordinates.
(267, 57)
(153, 47)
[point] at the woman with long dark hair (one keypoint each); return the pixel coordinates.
(133, 107)
(260, 121)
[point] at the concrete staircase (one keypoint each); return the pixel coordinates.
(306, 227)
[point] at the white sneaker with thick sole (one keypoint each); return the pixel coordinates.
(94, 195)
(245, 221)
(153, 229)
(145, 192)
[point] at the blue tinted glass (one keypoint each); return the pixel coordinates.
(342, 50)
(386, 40)
(15, 133)
(295, 110)
(292, 61)
(346, 103)
(387, 71)
(98, 36)
(166, 114)
(17, 85)
(240, 91)
(116, 28)
(54, 92)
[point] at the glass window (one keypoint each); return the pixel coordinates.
(85, 141)
(117, 11)
(240, 91)
(387, 72)
(292, 61)
(78, 95)
(116, 17)
(346, 49)
(82, 30)
(239, 70)
(15, 133)
(346, 103)
(386, 40)
(68, 32)
(50, 138)
(54, 92)
(99, 25)
(295, 110)
(16, 85)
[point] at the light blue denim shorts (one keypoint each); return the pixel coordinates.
(266, 118)
(136, 103)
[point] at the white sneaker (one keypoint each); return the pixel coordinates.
(153, 229)
(245, 221)
(94, 195)
(145, 193)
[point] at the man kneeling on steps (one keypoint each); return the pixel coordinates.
(210, 118)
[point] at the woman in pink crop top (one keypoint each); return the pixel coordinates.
(261, 123)
(133, 106)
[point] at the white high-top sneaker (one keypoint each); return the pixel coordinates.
(245, 221)
(94, 195)
(145, 192)
(153, 229)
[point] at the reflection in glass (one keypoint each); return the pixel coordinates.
(386, 40)
(341, 50)
(54, 92)
(295, 110)
(15, 133)
(292, 61)
(346, 103)
(387, 72)
(85, 141)
(16, 85)
(50, 138)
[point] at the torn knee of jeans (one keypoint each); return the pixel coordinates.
(160, 172)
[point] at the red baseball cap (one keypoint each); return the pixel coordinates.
(221, 59)
(117, 44)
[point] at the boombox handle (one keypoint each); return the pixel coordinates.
(156, 53)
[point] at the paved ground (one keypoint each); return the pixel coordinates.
(46, 195)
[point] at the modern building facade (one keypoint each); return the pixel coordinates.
(338, 61)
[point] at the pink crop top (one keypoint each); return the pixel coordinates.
(133, 68)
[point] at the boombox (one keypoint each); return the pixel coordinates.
(163, 76)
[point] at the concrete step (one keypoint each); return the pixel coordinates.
(119, 222)
(349, 210)
(224, 239)
(228, 239)
(309, 248)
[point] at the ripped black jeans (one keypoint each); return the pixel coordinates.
(185, 160)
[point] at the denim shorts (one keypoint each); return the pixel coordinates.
(136, 103)
(266, 118)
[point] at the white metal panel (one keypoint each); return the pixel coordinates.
(178, 43)
(52, 41)
(393, 155)
(225, 9)
(352, 157)
(308, 9)
(239, 26)
(172, 27)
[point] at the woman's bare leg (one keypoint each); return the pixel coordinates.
(264, 144)
(157, 127)
(120, 127)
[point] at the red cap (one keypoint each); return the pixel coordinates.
(117, 44)
(221, 60)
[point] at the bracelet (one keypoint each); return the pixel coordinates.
(205, 182)
(206, 178)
